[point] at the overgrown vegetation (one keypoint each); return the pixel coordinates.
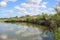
(44, 19)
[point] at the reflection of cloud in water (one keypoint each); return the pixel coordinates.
(26, 34)
(3, 24)
(12, 39)
(17, 32)
(7, 29)
(48, 36)
(3, 36)
(28, 31)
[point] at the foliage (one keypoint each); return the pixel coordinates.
(57, 34)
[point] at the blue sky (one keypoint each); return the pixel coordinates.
(11, 8)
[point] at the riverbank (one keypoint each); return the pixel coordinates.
(39, 19)
(44, 19)
(57, 34)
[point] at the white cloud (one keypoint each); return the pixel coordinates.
(31, 7)
(45, 11)
(44, 3)
(43, 6)
(34, 1)
(19, 8)
(10, 0)
(10, 11)
(3, 3)
(51, 10)
(13, 0)
(26, 5)
(25, 12)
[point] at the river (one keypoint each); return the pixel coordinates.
(24, 31)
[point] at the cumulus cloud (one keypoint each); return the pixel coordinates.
(31, 7)
(3, 3)
(44, 3)
(10, 0)
(43, 6)
(19, 8)
(13, 0)
(45, 11)
(9, 11)
(34, 1)
(8, 29)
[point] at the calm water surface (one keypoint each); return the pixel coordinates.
(24, 31)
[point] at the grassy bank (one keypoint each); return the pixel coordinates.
(57, 34)
(43, 19)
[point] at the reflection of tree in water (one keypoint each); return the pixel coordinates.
(48, 34)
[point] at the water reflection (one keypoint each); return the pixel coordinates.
(48, 36)
(24, 31)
